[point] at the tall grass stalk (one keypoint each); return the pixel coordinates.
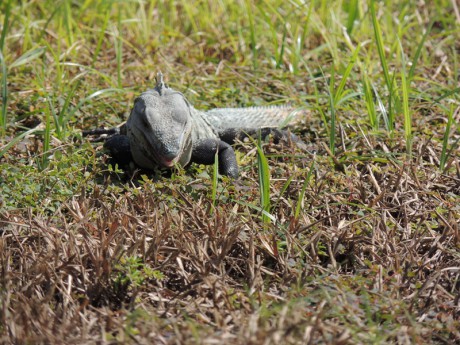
(338, 94)
(6, 22)
(370, 105)
(383, 110)
(303, 190)
(47, 136)
(264, 183)
(379, 42)
(405, 96)
(332, 130)
(215, 175)
(188, 7)
(407, 113)
(301, 34)
(445, 140)
(418, 52)
(118, 48)
(102, 33)
(353, 12)
(252, 32)
(384, 64)
(267, 11)
(4, 81)
(4, 84)
(62, 119)
(68, 21)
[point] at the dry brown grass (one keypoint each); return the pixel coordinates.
(373, 256)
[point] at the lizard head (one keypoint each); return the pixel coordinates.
(159, 128)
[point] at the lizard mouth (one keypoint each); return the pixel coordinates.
(169, 157)
(163, 159)
(169, 163)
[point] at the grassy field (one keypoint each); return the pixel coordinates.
(355, 241)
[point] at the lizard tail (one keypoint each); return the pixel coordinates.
(252, 117)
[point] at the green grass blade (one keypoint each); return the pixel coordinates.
(370, 105)
(188, 7)
(252, 32)
(102, 33)
(383, 110)
(418, 52)
(405, 96)
(68, 20)
(394, 104)
(379, 42)
(279, 61)
(445, 141)
(332, 112)
(16, 139)
(215, 175)
(264, 182)
(60, 120)
(352, 14)
(4, 116)
(302, 191)
(348, 95)
(118, 49)
(351, 63)
(44, 29)
(65, 117)
(300, 41)
(447, 94)
(4, 81)
(284, 189)
(6, 21)
(51, 110)
(28, 57)
(47, 137)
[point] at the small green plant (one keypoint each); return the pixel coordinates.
(132, 272)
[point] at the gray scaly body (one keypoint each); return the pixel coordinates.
(164, 129)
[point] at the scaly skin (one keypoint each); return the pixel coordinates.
(164, 129)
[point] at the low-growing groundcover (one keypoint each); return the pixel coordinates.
(355, 241)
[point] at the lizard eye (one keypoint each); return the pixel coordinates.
(139, 109)
(144, 121)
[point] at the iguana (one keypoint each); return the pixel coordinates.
(164, 129)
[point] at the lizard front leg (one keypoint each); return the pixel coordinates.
(205, 150)
(119, 149)
(115, 141)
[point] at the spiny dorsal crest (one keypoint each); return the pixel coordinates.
(160, 83)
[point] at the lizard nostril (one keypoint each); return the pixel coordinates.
(169, 153)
